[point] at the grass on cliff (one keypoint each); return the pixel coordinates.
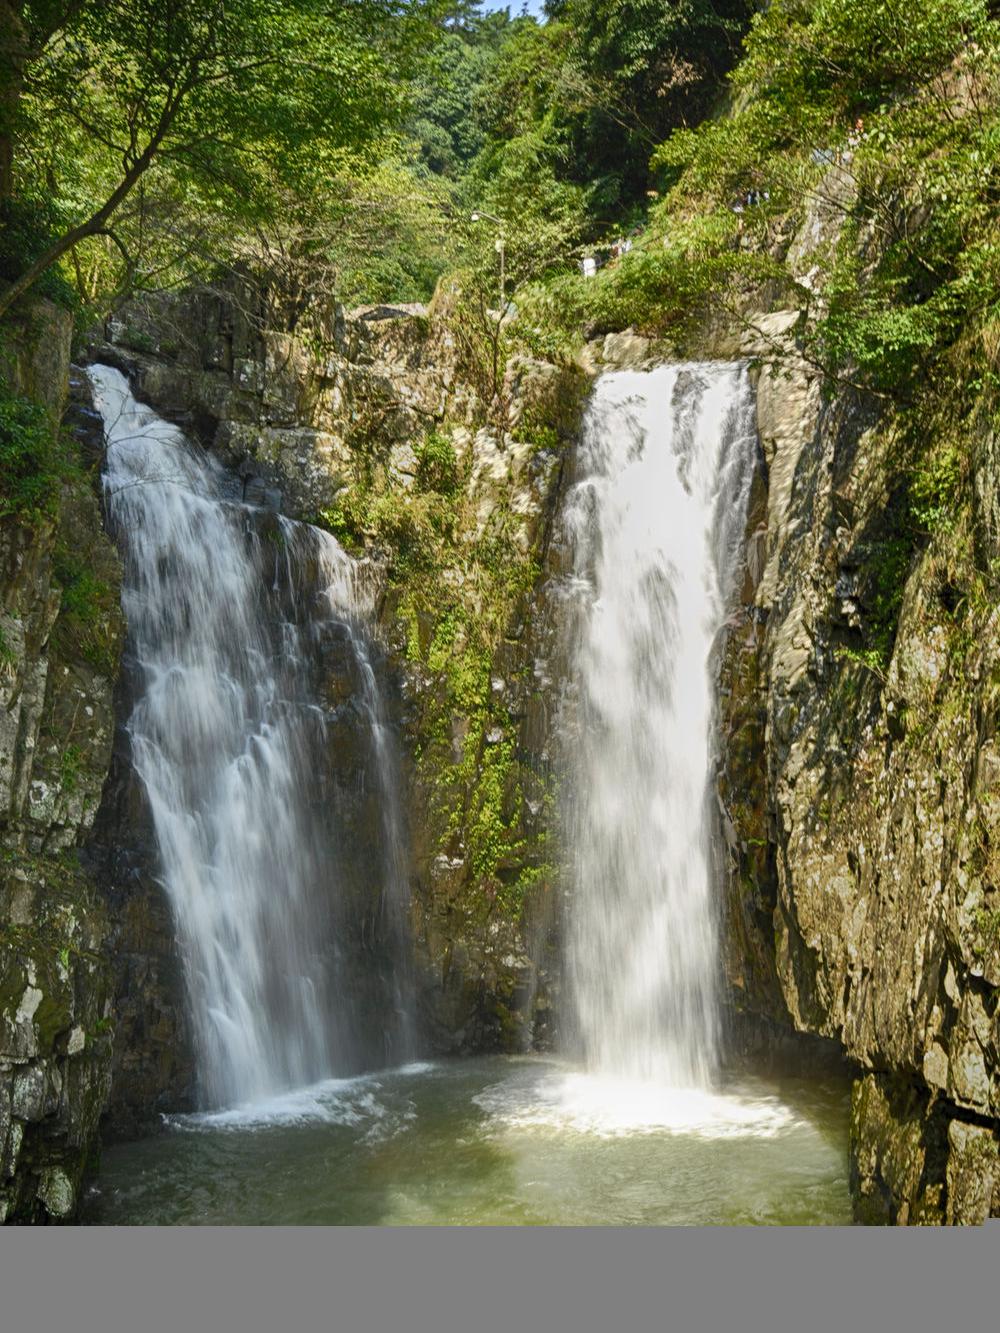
(44, 482)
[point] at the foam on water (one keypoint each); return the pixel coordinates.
(582, 1102)
(332, 1101)
(498, 1141)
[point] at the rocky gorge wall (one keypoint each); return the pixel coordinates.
(858, 781)
(855, 794)
(60, 628)
(456, 539)
(859, 776)
(864, 891)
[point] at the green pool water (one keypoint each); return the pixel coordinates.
(498, 1141)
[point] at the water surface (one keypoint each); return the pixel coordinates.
(497, 1141)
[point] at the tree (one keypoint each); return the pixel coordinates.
(228, 97)
(643, 67)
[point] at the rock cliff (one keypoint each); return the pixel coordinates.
(859, 775)
(60, 628)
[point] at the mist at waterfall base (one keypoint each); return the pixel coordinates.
(633, 1123)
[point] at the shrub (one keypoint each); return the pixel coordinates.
(30, 462)
(437, 465)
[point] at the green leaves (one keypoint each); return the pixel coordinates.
(181, 127)
(30, 473)
(847, 55)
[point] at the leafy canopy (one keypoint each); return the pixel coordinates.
(212, 108)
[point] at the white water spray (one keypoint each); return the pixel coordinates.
(655, 523)
(226, 613)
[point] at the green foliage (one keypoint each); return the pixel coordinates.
(70, 764)
(444, 120)
(872, 659)
(550, 127)
(27, 228)
(644, 67)
(403, 526)
(437, 465)
(83, 594)
(30, 460)
(345, 142)
(662, 288)
(87, 627)
(917, 251)
(217, 110)
(935, 487)
(489, 827)
(987, 923)
(42, 482)
(367, 233)
(888, 560)
(831, 58)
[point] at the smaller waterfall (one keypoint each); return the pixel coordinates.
(393, 900)
(655, 524)
(231, 614)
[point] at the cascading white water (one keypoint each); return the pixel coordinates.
(655, 524)
(229, 740)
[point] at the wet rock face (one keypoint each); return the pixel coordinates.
(914, 1162)
(153, 1057)
(860, 798)
(61, 630)
(56, 1024)
(881, 788)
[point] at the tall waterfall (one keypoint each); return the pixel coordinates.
(655, 523)
(229, 612)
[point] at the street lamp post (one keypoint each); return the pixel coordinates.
(478, 216)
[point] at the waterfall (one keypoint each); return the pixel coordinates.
(655, 525)
(232, 613)
(394, 896)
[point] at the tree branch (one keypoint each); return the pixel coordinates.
(96, 223)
